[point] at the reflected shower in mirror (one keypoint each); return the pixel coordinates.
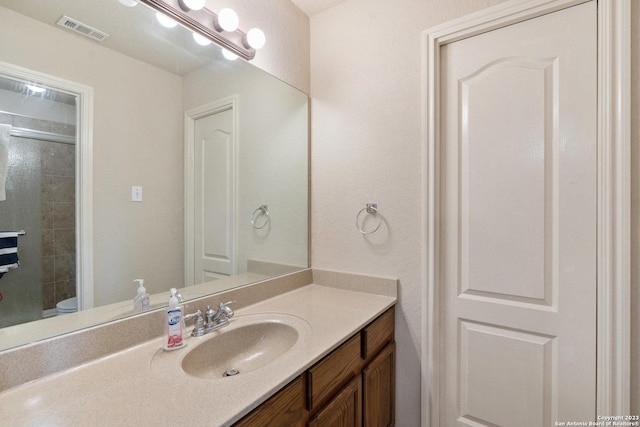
(38, 144)
(184, 147)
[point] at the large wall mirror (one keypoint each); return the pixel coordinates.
(197, 175)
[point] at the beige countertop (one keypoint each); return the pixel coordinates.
(137, 386)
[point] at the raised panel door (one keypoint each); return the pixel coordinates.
(518, 223)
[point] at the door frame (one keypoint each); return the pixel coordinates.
(613, 332)
(190, 117)
(84, 172)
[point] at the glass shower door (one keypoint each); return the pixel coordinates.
(21, 288)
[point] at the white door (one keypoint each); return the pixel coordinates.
(214, 196)
(518, 223)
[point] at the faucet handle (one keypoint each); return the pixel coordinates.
(195, 315)
(225, 309)
(198, 323)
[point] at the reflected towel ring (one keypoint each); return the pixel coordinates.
(370, 208)
(261, 211)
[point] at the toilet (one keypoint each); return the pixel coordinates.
(69, 305)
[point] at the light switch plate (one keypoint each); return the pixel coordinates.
(136, 193)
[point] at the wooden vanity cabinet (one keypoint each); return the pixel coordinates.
(353, 386)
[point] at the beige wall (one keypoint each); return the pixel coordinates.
(366, 147)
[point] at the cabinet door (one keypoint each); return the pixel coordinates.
(379, 389)
(284, 409)
(326, 377)
(344, 410)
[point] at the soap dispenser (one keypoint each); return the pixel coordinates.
(173, 324)
(141, 300)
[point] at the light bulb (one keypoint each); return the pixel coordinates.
(129, 3)
(201, 40)
(194, 4)
(229, 55)
(228, 19)
(256, 38)
(165, 20)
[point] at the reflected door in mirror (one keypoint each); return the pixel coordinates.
(214, 198)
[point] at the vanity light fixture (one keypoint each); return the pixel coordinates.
(129, 3)
(227, 20)
(229, 55)
(187, 5)
(221, 28)
(165, 21)
(256, 38)
(201, 40)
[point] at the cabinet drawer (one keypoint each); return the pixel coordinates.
(378, 334)
(333, 372)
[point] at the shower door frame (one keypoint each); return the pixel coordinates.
(83, 172)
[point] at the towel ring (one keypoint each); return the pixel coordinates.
(261, 211)
(370, 208)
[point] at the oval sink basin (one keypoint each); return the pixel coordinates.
(240, 348)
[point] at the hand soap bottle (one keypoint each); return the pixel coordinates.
(173, 324)
(141, 300)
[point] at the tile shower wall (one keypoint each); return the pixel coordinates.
(40, 200)
(58, 222)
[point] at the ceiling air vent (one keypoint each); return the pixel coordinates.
(80, 28)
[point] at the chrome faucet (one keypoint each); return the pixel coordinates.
(215, 319)
(220, 318)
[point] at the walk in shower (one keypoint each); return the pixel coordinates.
(40, 198)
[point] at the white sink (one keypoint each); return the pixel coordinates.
(250, 342)
(240, 350)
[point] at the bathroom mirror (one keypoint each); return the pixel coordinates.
(178, 199)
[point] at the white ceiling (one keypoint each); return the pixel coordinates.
(311, 7)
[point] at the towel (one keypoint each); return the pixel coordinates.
(5, 131)
(8, 250)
